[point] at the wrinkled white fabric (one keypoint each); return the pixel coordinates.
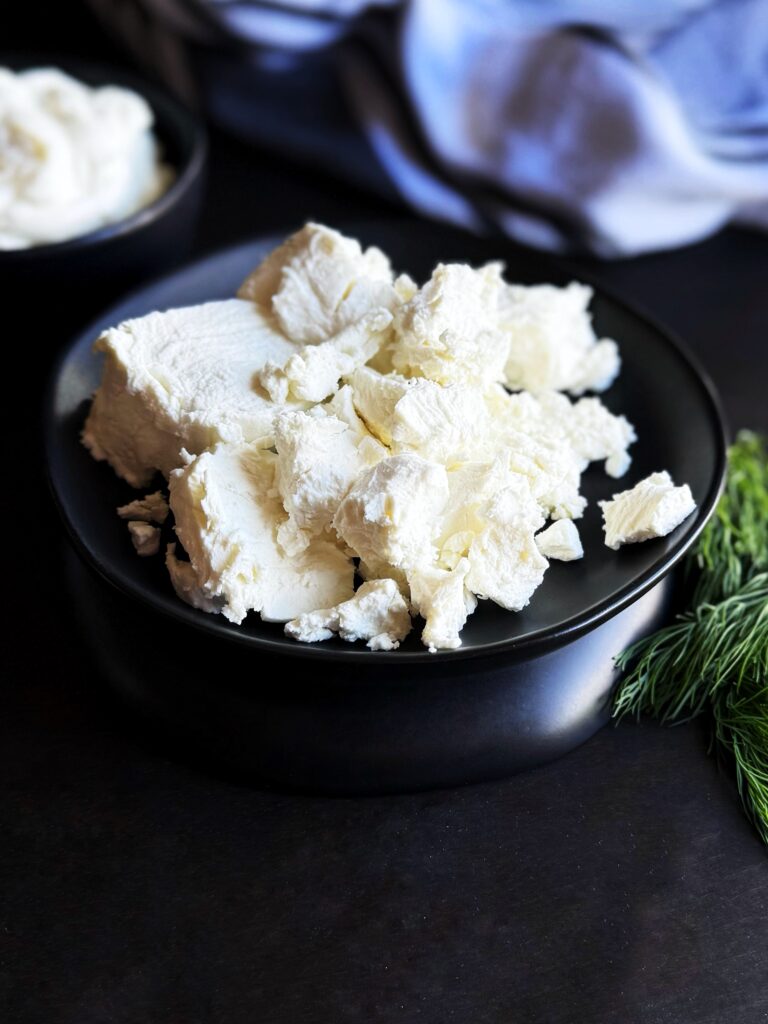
(617, 127)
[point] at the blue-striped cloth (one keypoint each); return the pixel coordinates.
(617, 127)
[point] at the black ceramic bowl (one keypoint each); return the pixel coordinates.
(107, 262)
(336, 717)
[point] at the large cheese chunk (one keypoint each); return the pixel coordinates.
(391, 512)
(449, 331)
(377, 614)
(227, 517)
(442, 423)
(504, 563)
(318, 282)
(319, 458)
(652, 508)
(181, 379)
(551, 343)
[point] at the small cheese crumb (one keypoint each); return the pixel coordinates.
(652, 508)
(152, 508)
(377, 613)
(560, 541)
(145, 537)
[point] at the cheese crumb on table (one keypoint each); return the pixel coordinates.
(652, 508)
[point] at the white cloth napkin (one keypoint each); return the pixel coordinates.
(618, 127)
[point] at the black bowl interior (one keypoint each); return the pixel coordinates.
(183, 145)
(660, 390)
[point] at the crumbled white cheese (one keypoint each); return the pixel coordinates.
(318, 282)
(377, 614)
(319, 458)
(391, 512)
(449, 331)
(441, 597)
(652, 508)
(181, 379)
(313, 373)
(551, 343)
(441, 423)
(505, 564)
(587, 427)
(334, 414)
(145, 537)
(560, 541)
(227, 514)
(152, 508)
(72, 158)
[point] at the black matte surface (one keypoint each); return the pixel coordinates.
(620, 885)
(659, 389)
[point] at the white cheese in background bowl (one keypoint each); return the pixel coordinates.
(73, 158)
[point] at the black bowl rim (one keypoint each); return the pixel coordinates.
(522, 649)
(160, 100)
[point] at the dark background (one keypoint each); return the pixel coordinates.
(620, 884)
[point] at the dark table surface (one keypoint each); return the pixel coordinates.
(621, 883)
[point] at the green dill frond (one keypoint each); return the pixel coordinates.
(734, 543)
(714, 656)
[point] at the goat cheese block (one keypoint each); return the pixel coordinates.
(181, 379)
(560, 541)
(228, 513)
(377, 613)
(652, 508)
(551, 342)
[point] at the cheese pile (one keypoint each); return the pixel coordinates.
(334, 420)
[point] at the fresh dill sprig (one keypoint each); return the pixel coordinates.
(714, 656)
